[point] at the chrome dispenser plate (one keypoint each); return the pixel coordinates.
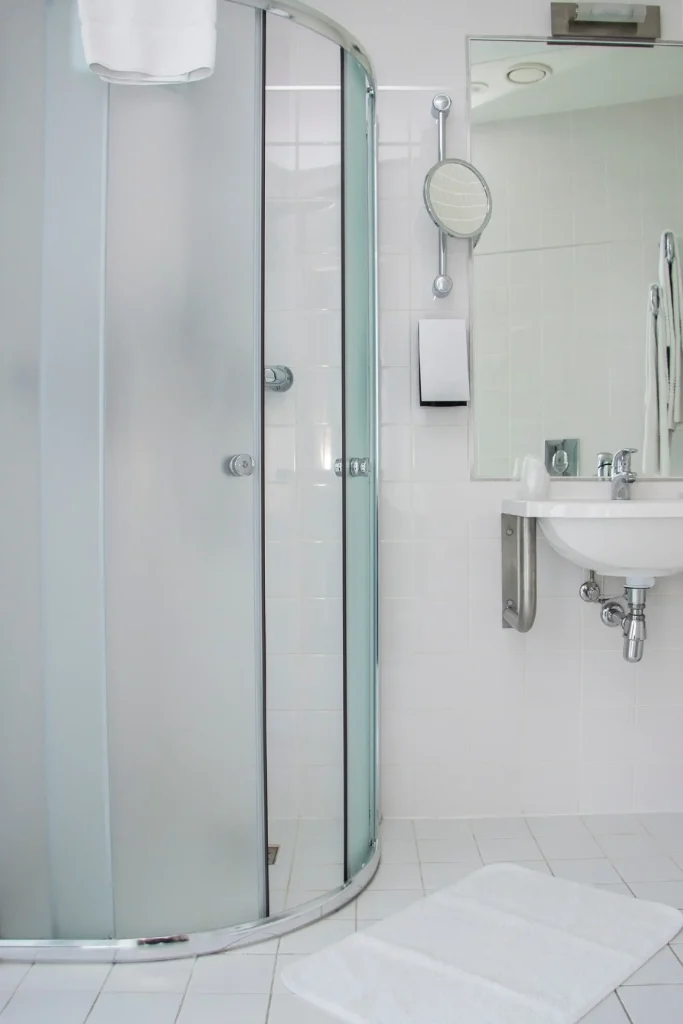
(562, 457)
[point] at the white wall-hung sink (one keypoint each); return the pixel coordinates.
(638, 539)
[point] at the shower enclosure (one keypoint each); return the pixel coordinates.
(188, 640)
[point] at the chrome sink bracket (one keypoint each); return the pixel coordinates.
(518, 546)
(443, 284)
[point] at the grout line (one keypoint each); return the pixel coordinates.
(185, 991)
(419, 858)
(628, 1017)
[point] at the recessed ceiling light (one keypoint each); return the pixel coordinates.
(479, 86)
(528, 74)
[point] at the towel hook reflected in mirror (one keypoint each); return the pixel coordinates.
(457, 198)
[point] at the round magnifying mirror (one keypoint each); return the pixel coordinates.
(457, 198)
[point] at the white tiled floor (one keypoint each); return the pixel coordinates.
(638, 856)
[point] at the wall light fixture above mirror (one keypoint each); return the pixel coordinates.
(585, 166)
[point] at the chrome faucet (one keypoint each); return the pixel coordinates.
(622, 474)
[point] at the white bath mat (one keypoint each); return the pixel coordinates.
(503, 946)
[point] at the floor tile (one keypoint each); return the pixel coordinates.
(499, 828)
(532, 865)
(618, 888)
(318, 851)
(446, 851)
(613, 824)
(397, 828)
(316, 936)
(60, 977)
(663, 969)
(376, 905)
(277, 900)
(265, 948)
(442, 828)
(397, 876)
(672, 849)
(588, 871)
(212, 1008)
(230, 974)
(33, 1006)
(279, 873)
(320, 829)
(660, 892)
(558, 827)
(438, 876)
(399, 851)
(283, 961)
(12, 974)
(135, 1008)
(316, 876)
(498, 850)
(287, 1009)
(647, 869)
(653, 1004)
(665, 826)
(623, 847)
(164, 976)
(608, 1012)
(577, 846)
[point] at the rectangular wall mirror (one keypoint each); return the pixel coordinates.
(582, 147)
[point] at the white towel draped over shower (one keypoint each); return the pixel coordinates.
(149, 42)
(664, 361)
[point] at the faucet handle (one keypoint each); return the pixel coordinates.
(622, 461)
(604, 465)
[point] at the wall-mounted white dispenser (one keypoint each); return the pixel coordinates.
(443, 362)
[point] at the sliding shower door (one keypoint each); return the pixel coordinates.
(182, 380)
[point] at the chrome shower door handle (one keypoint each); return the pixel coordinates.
(238, 465)
(357, 467)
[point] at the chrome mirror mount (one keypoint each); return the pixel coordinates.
(456, 196)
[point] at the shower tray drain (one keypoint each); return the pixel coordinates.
(272, 855)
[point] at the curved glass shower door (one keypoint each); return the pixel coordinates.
(183, 535)
(361, 456)
(131, 752)
(137, 227)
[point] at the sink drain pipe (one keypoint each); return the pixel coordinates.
(630, 618)
(634, 624)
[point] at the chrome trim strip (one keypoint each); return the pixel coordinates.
(198, 944)
(309, 18)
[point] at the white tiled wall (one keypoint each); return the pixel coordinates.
(562, 275)
(303, 567)
(478, 720)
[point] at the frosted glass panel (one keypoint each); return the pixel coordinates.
(183, 373)
(71, 486)
(361, 500)
(24, 901)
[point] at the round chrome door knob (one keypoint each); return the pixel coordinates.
(238, 465)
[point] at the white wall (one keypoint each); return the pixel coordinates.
(562, 276)
(478, 720)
